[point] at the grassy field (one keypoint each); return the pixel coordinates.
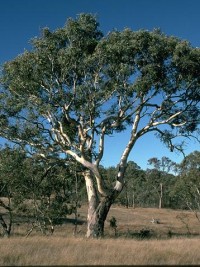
(78, 251)
(175, 240)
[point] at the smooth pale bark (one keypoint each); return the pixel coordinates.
(93, 202)
(99, 205)
(98, 208)
(97, 219)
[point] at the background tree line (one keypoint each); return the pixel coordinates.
(45, 192)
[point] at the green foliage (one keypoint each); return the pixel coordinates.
(187, 188)
(145, 233)
(142, 188)
(113, 224)
(75, 87)
(46, 193)
(71, 73)
(11, 170)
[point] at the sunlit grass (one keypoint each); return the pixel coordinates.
(79, 251)
(62, 248)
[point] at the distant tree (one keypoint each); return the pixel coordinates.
(134, 186)
(190, 163)
(159, 176)
(42, 191)
(164, 164)
(11, 170)
(158, 188)
(187, 188)
(75, 87)
(52, 194)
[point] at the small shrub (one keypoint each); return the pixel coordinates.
(113, 224)
(169, 233)
(145, 233)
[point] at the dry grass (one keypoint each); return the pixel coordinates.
(64, 249)
(136, 219)
(128, 221)
(78, 251)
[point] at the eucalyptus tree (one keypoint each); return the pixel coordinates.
(164, 164)
(77, 86)
(159, 177)
(44, 194)
(134, 186)
(43, 191)
(187, 188)
(11, 171)
(190, 163)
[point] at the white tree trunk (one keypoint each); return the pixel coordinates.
(97, 208)
(93, 202)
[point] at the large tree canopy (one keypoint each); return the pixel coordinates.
(76, 86)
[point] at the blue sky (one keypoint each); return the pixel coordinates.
(21, 20)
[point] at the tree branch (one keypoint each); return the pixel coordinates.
(101, 146)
